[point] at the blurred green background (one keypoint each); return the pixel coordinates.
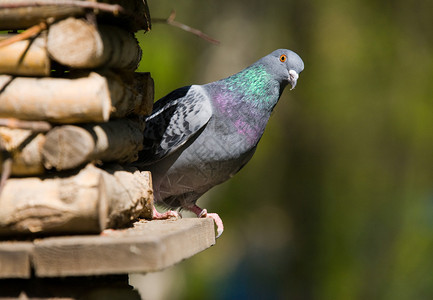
(337, 202)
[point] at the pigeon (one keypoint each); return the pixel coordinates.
(199, 136)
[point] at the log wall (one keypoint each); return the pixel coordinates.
(77, 74)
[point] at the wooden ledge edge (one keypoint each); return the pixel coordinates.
(147, 247)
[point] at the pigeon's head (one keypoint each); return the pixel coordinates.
(284, 65)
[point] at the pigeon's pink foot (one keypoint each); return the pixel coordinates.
(166, 215)
(202, 213)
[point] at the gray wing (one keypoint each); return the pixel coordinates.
(175, 119)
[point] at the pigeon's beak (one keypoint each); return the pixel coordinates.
(293, 78)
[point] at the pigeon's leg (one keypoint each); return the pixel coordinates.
(202, 213)
(167, 215)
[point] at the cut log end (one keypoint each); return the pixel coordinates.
(67, 147)
(76, 43)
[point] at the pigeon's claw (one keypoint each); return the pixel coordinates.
(202, 213)
(218, 222)
(166, 215)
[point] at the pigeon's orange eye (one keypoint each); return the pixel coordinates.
(283, 57)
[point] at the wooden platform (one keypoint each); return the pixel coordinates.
(149, 246)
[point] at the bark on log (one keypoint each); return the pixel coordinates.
(136, 17)
(91, 98)
(24, 17)
(79, 44)
(77, 203)
(87, 202)
(28, 57)
(55, 99)
(70, 146)
(24, 147)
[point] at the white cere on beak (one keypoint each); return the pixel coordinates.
(293, 78)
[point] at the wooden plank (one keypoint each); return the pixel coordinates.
(70, 288)
(149, 246)
(15, 259)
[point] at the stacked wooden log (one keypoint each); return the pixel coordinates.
(72, 112)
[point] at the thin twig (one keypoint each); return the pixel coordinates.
(113, 8)
(28, 33)
(6, 172)
(36, 126)
(170, 21)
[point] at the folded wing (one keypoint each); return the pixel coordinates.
(175, 119)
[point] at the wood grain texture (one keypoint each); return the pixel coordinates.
(82, 99)
(136, 16)
(84, 202)
(24, 146)
(52, 204)
(78, 44)
(24, 17)
(28, 57)
(85, 97)
(148, 247)
(70, 146)
(15, 259)
(130, 195)
(131, 93)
